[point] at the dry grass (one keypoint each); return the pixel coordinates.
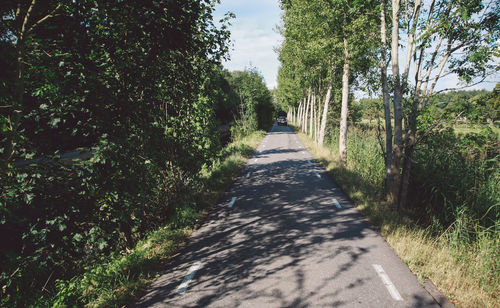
(435, 260)
(466, 275)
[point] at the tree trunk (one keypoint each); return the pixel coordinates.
(299, 114)
(322, 130)
(345, 107)
(306, 114)
(311, 120)
(409, 148)
(398, 111)
(301, 120)
(387, 107)
(318, 111)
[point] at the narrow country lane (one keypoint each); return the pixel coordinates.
(285, 235)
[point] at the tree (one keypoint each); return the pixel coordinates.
(255, 101)
(133, 82)
(459, 36)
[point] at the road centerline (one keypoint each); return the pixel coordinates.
(387, 282)
(185, 283)
(231, 203)
(337, 204)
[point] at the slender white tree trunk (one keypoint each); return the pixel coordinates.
(398, 110)
(318, 111)
(345, 107)
(387, 107)
(311, 119)
(302, 114)
(306, 114)
(322, 130)
(299, 114)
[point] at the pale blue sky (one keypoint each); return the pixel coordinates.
(253, 36)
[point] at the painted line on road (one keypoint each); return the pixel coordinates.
(387, 282)
(185, 283)
(255, 160)
(317, 175)
(230, 205)
(337, 204)
(248, 174)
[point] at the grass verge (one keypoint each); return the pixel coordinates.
(122, 277)
(467, 273)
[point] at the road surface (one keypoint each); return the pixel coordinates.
(284, 235)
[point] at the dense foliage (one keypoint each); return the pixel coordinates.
(255, 110)
(139, 87)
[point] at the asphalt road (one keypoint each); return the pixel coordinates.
(284, 235)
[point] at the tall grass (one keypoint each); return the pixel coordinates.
(460, 254)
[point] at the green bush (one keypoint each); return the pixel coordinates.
(458, 176)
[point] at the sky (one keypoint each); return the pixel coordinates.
(253, 36)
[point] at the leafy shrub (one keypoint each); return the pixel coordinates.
(456, 176)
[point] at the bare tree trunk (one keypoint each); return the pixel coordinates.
(345, 106)
(322, 130)
(387, 107)
(306, 115)
(311, 119)
(398, 110)
(318, 111)
(302, 121)
(302, 113)
(408, 153)
(299, 114)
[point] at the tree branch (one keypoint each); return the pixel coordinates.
(25, 22)
(460, 88)
(51, 14)
(411, 41)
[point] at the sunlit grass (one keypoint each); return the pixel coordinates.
(467, 129)
(467, 273)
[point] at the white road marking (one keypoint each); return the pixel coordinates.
(185, 283)
(248, 175)
(255, 160)
(337, 204)
(317, 174)
(387, 282)
(230, 205)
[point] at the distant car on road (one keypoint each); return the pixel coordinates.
(281, 121)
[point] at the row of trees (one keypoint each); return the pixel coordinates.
(139, 83)
(462, 107)
(331, 46)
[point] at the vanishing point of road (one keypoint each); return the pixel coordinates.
(284, 235)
